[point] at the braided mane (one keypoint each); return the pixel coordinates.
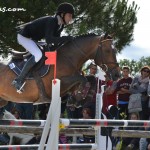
(86, 35)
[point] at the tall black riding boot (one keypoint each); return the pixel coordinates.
(19, 82)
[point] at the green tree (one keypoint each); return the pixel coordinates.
(98, 16)
(135, 66)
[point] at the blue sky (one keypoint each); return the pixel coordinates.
(141, 44)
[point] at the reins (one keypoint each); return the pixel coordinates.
(99, 53)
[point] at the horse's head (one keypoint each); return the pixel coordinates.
(106, 54)
(90, 46)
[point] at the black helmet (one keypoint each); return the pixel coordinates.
(65, 8)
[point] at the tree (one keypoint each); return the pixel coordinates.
(98, 16)
(135, 66)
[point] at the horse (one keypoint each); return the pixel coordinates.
(70, 58)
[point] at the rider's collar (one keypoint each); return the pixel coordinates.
(60, 21)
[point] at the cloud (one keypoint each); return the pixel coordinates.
(141, 45)
(133, 52)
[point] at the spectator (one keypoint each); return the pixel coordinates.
(87, 114)
(63, 105)
(93, 69)
(91, 95)
(16, 113)
(143, 141)
(109, 95)
(122, 89)
(9, 106)
(148, 147)
(140, 85)
(93, 81)
(43, 110)
(25, 110)
(148, 92)
(83, 94)
(131, 143)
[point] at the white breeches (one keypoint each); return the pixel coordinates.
(30, 46)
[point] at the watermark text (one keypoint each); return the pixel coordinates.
(5, 9)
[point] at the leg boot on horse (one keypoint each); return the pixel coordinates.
(19, 82)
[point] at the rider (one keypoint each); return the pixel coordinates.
(48, 28)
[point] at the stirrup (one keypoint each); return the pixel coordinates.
(18, 85)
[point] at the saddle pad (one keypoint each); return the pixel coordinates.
(17, 65)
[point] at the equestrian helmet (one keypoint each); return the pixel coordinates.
(65, 8)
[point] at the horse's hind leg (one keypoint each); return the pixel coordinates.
(3, 103)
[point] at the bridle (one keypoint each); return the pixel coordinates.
(99, 54)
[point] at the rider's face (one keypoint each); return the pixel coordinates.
(68, 18)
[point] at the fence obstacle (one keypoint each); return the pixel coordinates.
(131, 133)
(60, 147)
(80, 122)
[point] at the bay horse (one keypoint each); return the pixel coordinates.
(70, 58)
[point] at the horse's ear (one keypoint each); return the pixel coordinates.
(106, 35)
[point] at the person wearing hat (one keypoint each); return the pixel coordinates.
(48, 28)
(140, 85)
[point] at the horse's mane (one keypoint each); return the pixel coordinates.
(77, 38)
(86, 35)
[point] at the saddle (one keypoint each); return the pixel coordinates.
(20, 58)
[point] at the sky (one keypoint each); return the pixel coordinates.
(141, 44)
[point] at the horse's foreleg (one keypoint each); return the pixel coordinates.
(3, 103)
(68, 82)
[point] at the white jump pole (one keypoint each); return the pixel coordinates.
(99, 99)
(52, 119)
(55, 111)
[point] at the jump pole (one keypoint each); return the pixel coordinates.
(60, 147)
(80, 122)
(99, 108)
(53, 115)
(52, 119)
